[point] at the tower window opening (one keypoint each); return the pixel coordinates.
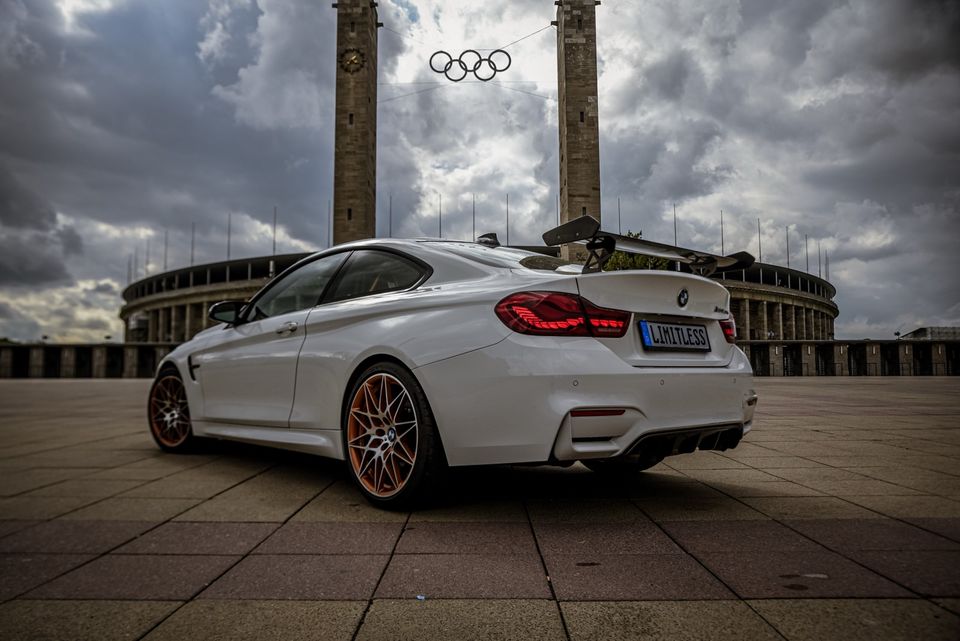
(579, 24)
(581, 116)
(350, 118)
(583, 211)
(353, 28)
(349, 213)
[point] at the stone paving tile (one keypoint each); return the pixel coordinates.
(80, 620)
(129, 509)
(927, 572)
(94, 488)
(73, 537)
(584, 511)
(462, 620)
(9, 527)
(273, 496)
(200, 538)
(466, 538)
(770, 463)
(865, 487)
(950, 604)
(817, 475)
(665, 621)
(631, 577)
(766, 575)
(733, 477)
(871, 534)
(859, 619)
(173, 487)
(947, 527)
(22, 572)
(332, 538)
(25, 508)
(262, 621)
(737, 536)
(766, 489)
(809, 507)
(464, 576)
(342, 502)
(21, 481)
(698, 509)
(604, 538)
(707, 461)
(495, 510)
(909, 506)
(121, 576)
(289, 576)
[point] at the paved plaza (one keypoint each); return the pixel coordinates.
(838, 517)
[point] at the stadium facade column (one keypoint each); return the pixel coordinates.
(35, 364)
(779, 311)
(355, 129)
(68, 362)
(188, 322)
(791, 323)
(746, 319)
(764, 326)
(579, 122)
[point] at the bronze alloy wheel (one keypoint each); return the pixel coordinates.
(382, 435)
(169, 413)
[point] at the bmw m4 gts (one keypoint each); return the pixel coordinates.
(403, 357)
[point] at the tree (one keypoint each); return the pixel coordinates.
(623, 260)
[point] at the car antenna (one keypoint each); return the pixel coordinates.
(490, 240)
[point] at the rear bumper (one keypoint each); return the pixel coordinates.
(512, 402)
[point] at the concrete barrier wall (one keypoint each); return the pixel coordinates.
(769, 358)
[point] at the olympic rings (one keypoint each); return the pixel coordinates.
(470, 61)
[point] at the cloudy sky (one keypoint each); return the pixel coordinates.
(122, 121)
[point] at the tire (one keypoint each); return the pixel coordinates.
(168, 413)
(621, 466)
(391, 444)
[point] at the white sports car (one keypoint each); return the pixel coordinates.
(404, 357)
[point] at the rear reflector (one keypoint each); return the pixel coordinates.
(560, 314)
(729, 328)
(610, 412)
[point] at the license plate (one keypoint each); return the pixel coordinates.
(674, 336)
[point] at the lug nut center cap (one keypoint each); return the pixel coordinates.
(391, 435)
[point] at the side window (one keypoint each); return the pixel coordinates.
(298, 290)
(374, 272)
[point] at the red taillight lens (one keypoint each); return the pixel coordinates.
(729, 328)
(559, 314)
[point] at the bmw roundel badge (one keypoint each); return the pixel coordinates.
(683, 298)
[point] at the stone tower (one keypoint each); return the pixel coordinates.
(578, 120)
(355, 137)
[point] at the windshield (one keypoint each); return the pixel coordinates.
(509, 258)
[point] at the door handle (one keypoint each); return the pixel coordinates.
(288, 328)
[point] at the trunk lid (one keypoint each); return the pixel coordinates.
(655, 296)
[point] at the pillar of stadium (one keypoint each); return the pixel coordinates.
(578, 119)
(355, 129)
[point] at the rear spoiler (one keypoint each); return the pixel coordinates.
(602, 244)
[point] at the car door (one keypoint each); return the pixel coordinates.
(354, 315)
(248, 376)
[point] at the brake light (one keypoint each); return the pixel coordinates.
(729, 327)
(560, 314)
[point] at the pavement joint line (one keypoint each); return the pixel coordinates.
(96, 557)
(386, 566)
(835, 467)
(823, 545)
(712, 573)
(546, 571)
(232, 565)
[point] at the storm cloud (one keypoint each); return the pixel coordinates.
(131, 121)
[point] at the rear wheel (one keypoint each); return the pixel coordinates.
(392, 448)
(169, 413)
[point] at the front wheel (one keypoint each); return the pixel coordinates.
(393, 451)
(169, 414)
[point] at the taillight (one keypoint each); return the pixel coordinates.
(729, 328)
(559, 314)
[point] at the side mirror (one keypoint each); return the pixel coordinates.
(227, 311)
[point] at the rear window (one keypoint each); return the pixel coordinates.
(509, 258)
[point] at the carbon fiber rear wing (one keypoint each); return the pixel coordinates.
(602, 244)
